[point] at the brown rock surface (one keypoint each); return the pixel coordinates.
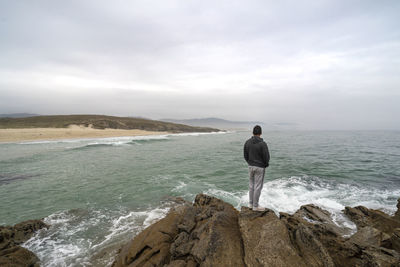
(266, 240)
(363, 216)
(397, 214)
(205, 233)
(212, 233)
(11, 254)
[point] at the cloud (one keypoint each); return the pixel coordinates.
(319, 64)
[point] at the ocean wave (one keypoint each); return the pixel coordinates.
(9, 178)
(122, 139)
(199, 133)
(289, 194)
(75, 236)
(51, 141)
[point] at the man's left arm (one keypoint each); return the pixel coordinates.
(246, 152)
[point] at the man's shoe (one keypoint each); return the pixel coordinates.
(250, 206)
(259, 209)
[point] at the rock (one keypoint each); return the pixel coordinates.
(17, 256)
(266, 240)
(210, 232)
(379, 256)
(216, 236)
(397, 214)
(151, 247)
(363, 216)
(177, 200)
(369, 236)
(394, 241)
(11, 254)
(307, 239)
(316, 215)
(205, 233)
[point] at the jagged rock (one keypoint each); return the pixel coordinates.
(394, 241)
(151, 247)
(17, 256)
(204, 234)
(11, 254)
(363, 216)
(397, 214)
(369, 236)
(316, 215)
(307, 239)
(212, 233)
(177, 200)
(379, 256)
(266, 240)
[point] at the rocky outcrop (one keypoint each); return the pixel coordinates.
(210, 232)
(205, 233)
(266, 240)
(11, 253)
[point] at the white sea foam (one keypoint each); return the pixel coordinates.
(54, 246)
(50, 141)
(198, 134)
(116, 140)
(71, 240)
(289, 194)
(179, 187)
(66, 242)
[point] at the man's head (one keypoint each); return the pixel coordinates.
(257, 130)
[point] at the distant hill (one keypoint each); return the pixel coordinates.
(216, 122)
(18, 115)
(99, 122)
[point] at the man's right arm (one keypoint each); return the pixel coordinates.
(266, 155)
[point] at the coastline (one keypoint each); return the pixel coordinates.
(212, 232)
(72, 132)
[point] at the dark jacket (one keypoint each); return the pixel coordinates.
(256, 152)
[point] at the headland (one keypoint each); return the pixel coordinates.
(86, 126)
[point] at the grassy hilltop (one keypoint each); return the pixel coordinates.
(98, 122)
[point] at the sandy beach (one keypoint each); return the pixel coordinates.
(72, 132)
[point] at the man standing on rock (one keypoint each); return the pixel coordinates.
(256, 155)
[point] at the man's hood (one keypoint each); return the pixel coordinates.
(256, 139)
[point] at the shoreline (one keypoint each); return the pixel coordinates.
(12, 135)
(213, 232)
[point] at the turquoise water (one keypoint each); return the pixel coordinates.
(98, 193)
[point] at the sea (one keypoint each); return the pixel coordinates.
(97, 194)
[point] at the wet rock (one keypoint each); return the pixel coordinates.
(369, 236)
(309, 238)
(151, 247)
(266, 240)
(379, 256)
(11, 254)
(397, 214)
(203, 234)
(17, 256)
(363, 216)
(394, 241)
(210, 232)
(316, 215)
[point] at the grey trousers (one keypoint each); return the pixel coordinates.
(256, 182)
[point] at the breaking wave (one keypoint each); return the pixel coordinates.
(88, 237)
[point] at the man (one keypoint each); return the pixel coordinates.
(257, 157)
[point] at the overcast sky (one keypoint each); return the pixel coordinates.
(317, 64)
